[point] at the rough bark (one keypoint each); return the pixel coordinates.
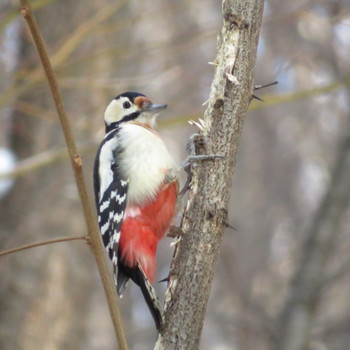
(299, 311)
(205, 215)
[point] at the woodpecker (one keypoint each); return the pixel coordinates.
(136, 189)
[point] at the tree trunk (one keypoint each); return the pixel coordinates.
(205, 216)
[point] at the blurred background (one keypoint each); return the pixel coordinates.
(284, 274)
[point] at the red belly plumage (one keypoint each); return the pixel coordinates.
(143, 227)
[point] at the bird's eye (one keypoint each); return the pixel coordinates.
(126, 105)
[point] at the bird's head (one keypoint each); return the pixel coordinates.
(131, 106)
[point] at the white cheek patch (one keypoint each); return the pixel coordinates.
(115, 110)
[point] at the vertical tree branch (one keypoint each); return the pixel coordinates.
(205, 216)
(93, 234)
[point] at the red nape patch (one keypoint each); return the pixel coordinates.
(141, 233)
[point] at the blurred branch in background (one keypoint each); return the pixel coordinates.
(43, 159)
(13, 13)
(26, 80)
(303, 302)
(62, 59)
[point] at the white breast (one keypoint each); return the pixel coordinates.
(145, 162)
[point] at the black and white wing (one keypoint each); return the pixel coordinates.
(110, 194)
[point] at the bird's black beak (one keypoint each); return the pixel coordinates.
(154, 108)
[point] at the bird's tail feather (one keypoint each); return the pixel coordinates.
(139, 277)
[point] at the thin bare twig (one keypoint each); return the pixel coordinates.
(93, 234)
(38, 244)
(277, 99)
